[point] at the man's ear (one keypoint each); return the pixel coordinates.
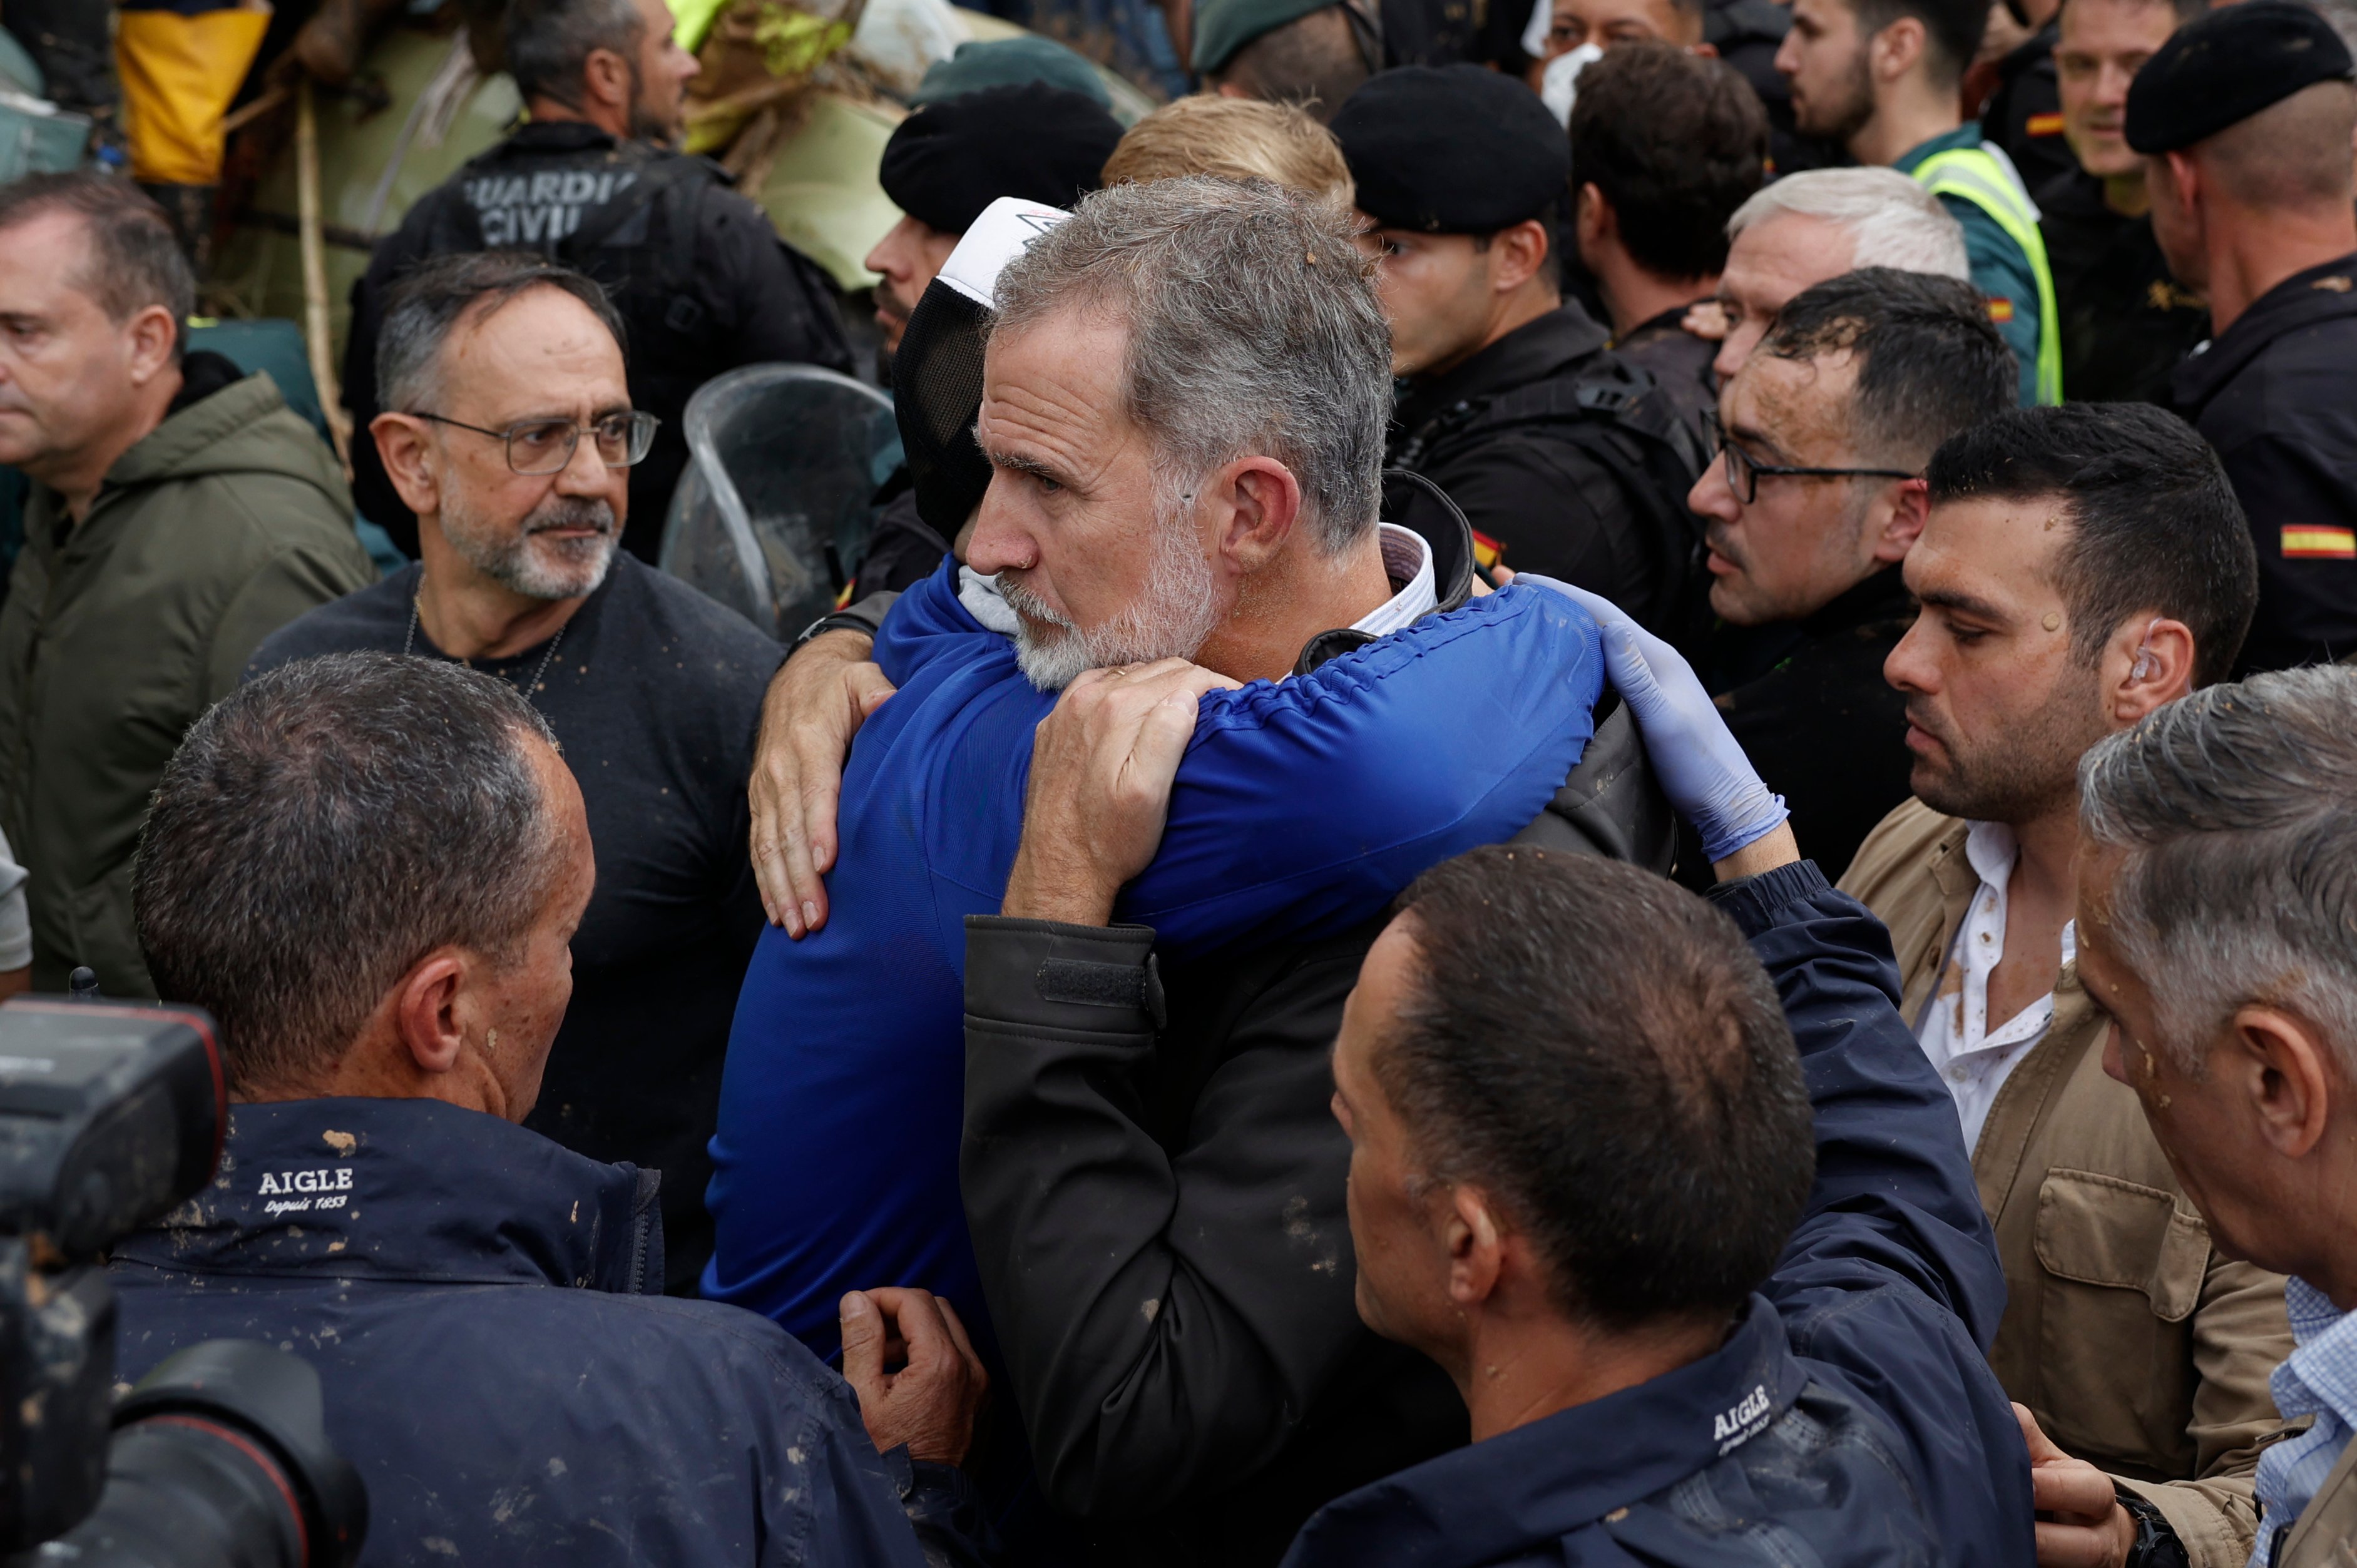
(1254, 504)
(2183, 173)
(2151, 661)
(606, 80)
(1706, 50)
(1896, 533)
(402, 445)
(154, 335)
(2285, 1068)
(1522, 254)
(426, 1010)
(1593, 216)
(1892, 52)
(1476, 1243)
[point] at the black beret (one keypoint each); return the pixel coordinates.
(1452, 149)
(949, 160)
(2221, 69)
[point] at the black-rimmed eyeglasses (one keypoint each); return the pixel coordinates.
(1744, 471)
(546, 446)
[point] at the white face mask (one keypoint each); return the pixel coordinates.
(1560, 84)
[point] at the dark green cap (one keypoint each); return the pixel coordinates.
(1223, 27)
(1010, 62)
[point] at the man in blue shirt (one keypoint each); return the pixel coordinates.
(1882, 78)
(2213, 919)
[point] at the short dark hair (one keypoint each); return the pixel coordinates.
(1600, 1050)
(2154, 523)
(1676, 143)
(549, 43)
(1952, 28)
(324, 827)
(429, 301)
(1930, 361)
(134, 261)
(1299, 63)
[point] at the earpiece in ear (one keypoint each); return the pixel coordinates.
(2144, 666)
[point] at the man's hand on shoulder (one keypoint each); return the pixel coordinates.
(1101, 766)
(816, 702)
(929, 1404)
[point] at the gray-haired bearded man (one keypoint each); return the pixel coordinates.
(510, 431)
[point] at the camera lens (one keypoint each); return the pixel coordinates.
(220, 1460)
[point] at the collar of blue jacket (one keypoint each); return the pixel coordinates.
(412, 1191)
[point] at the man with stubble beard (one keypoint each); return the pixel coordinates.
(509, 433)
(2080, 568)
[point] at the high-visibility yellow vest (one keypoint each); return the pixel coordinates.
(1991, 185)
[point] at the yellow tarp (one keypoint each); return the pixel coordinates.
(179, 75)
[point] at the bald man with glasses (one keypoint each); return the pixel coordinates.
(1816, 494)
(508, 431)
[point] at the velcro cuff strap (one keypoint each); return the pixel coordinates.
(1080, 983)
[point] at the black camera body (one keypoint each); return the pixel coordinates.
(110, 1115)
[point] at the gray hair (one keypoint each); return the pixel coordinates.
(426, 305)
(2237, 807)
(550, 41)
(1253, 328)
(323, 828)
(1891, 221)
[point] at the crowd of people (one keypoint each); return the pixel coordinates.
(1596, 813)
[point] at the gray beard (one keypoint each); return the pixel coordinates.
(1171, 618)
(521, 560)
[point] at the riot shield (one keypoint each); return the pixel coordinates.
(773, 515)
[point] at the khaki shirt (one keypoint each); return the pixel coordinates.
(2136, 1345)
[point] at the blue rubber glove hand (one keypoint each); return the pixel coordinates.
(1703, 771)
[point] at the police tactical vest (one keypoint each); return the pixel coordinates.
(627, 214)
(1978, 174)
(1618, 414)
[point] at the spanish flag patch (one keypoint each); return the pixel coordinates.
(2307, 543)
(2000, 311)
(1487, 552)
(2043, 125)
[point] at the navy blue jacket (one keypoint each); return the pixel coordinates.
(2276, 394)
(1850, 1419)
(470, 1292)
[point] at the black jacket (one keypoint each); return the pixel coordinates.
(2024, 116)
(1825, 729)
(2276, 394)
(2127, 324)
(1538, 491)
(1679, 360)
(471, 1295)
(703, 283)
(1155, 1185)
(1850, 1420)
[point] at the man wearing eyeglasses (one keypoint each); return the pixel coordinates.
(1811, 507)
(508, 431)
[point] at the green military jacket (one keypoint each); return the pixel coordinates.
(225, 522)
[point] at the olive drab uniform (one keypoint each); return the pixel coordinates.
(1976, 182)
(700, 278)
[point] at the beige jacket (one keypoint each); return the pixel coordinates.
(2137, 1347)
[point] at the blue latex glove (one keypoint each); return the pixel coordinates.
(1703, 771)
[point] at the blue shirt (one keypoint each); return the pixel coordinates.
(1302, 809)
(2317, 1379)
